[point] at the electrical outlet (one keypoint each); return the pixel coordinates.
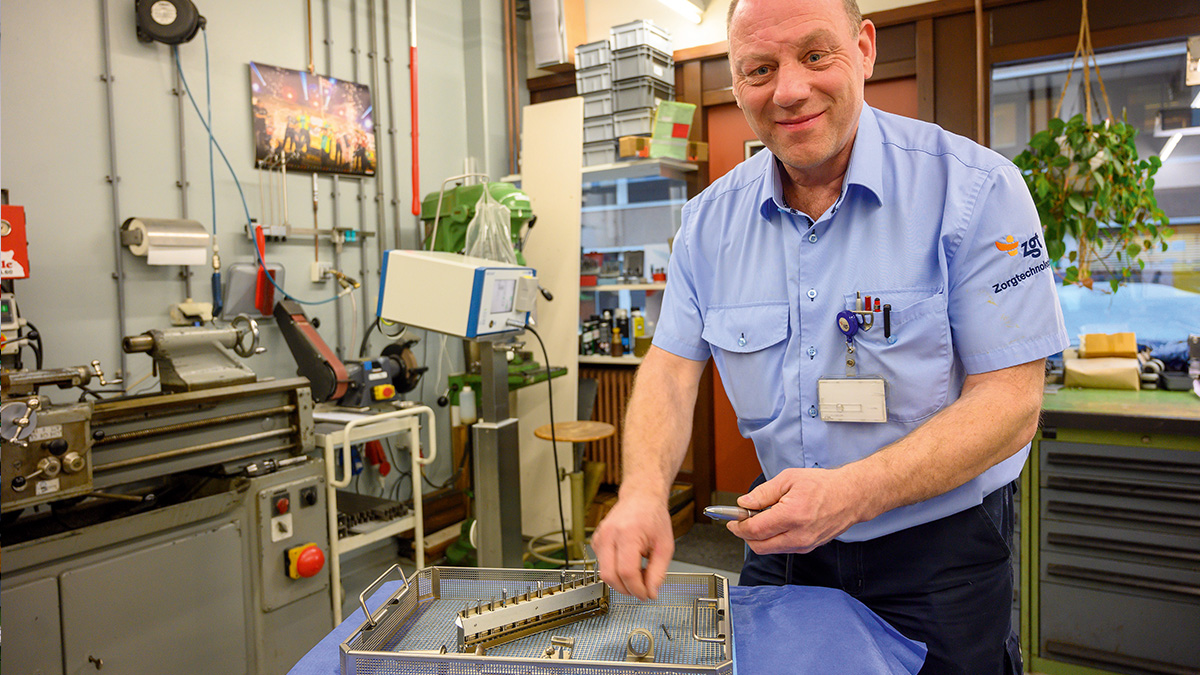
(319, 271)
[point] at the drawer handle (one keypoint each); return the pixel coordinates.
(1117, 513)
(1124, 463)
(1079, 541)
(1124, 488)
(1115, 659)
(1119, 579)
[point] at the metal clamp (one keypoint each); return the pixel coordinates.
(632, 653)
(717, 605)
(362, 597)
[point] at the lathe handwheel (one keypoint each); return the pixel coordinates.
(239, 348)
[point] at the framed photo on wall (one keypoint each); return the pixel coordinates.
(752, 147)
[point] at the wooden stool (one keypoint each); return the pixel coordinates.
(582, 431)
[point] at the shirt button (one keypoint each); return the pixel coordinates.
(813, 237)
(812, 352)
(812, 294)
(812, 411)
(742, 341)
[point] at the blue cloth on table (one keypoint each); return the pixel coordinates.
(776, 629)
(808, 629)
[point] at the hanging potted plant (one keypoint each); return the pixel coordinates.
(1090, 187)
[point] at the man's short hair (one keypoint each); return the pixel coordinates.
(851, 6)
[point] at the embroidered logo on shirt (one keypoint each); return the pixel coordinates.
(1021, 276)
(1030, 248)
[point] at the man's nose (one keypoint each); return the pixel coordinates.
(792, 85)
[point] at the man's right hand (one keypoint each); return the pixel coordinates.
(637, 527)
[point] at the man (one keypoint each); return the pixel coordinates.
(912, 515)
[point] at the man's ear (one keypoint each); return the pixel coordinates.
(866, 44)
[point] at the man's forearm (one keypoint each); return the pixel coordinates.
(995, 417)
(658, 423)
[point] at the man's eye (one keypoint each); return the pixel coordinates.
(814, 57)
(760, 71)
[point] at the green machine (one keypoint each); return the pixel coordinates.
(458, 208)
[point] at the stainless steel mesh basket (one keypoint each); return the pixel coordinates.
(688, 625)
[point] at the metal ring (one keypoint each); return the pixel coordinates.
(633, 653)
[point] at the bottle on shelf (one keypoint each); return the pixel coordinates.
(639, 323)
(617, 348)
(622, 322)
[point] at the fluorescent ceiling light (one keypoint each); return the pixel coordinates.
(692, 10)
(1169, 147)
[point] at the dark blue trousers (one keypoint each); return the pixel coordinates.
(948, 583)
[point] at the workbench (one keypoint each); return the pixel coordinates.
(1110, 534)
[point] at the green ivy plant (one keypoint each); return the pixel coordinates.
(1089, 185)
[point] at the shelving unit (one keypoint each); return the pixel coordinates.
(662, 167)
(598, 360)
(343, 429)
(612, 288)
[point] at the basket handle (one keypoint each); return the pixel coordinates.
(719, 605)
(362, 597)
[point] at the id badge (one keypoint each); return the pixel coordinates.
(852, 399)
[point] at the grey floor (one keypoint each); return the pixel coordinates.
(710, 548)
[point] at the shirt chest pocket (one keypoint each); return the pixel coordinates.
(916, 362)
(748, 344)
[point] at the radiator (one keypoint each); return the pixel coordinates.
(614, 385)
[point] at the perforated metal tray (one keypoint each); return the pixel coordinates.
(406, 634)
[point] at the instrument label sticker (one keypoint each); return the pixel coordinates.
(46, 432)
(45, 487)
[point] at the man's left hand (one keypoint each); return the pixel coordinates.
(807, 508)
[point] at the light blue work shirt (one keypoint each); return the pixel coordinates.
(940, 228)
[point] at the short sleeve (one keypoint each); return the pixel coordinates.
(681, 321)
(1002, 299)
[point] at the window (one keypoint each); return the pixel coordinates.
(1147, 85)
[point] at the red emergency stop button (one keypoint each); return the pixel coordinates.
(305, 561)
(281, 505)
(384, 392)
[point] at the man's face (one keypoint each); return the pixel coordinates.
(798, 73)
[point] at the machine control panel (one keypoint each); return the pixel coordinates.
(293, 531)
(46, 451)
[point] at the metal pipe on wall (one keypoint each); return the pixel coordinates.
(113, 179)
(510, 80)
(391, 99)
(182, 183)
(335, 235)
(363, 271)
(373, 55)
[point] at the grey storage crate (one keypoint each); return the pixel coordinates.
(641, 32)
(600, 152)
(598, 129)
(640, 92)
(636, 122)
(598, 103)
(596, 78)
(643, 61)
(592, 54)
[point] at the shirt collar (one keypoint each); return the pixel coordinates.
(865, 168)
